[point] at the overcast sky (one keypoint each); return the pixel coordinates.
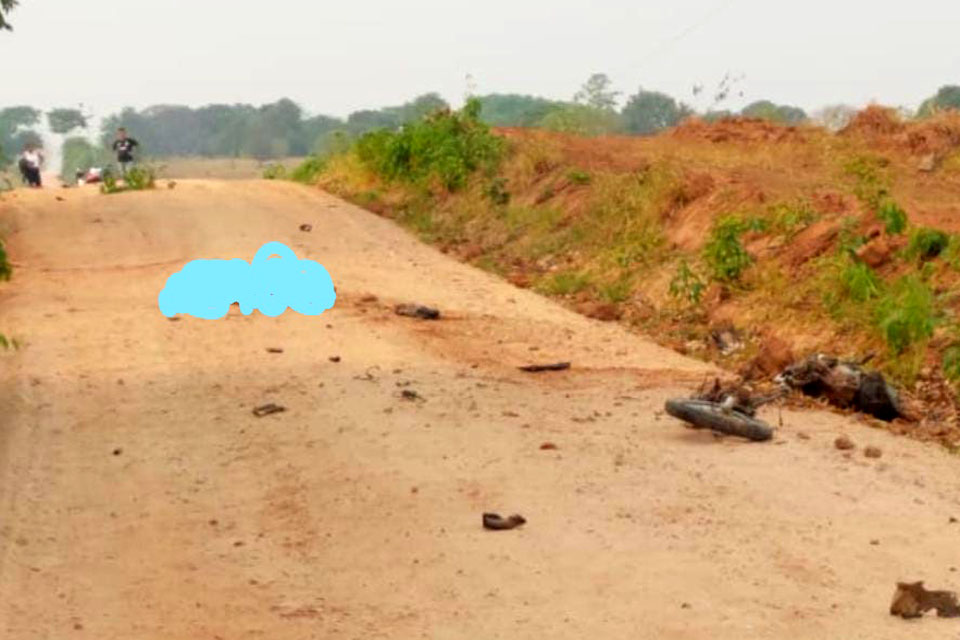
(336, 57)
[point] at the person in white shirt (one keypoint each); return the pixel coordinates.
(31, 160)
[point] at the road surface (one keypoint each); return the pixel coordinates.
(141, 499)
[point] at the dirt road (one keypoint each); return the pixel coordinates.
(140, 498)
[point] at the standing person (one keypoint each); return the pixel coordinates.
(124, 148)
(31, 160)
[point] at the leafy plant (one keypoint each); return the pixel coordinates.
(577, 176)
(6, 271)
(9, 343)
(906, 314)
(848, 239)
(446, 146)
(687, 285)
(137, 179)
(892, 216)
(723, 252)
(951, 363)
(307, 171)
(859, 282)
(926, 243)
(564, 283)
(871, 186)
(274, 172)
(789, 218)
(497, 192)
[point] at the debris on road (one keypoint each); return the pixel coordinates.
(872, 452)
(843, 443)
(267, 409)
(417, 311)
(548, 446)
(334, 358)
(912, 600)
(306, 227)
(410, 394)
(844, 384)
(274, 350)
(536, 368)
(496, 522)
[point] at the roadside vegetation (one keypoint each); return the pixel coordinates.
(666, 234)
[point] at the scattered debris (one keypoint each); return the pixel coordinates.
(912, 600)
(306, 227)
(548, 446)
(496, 522)
(536, 368)
(844, 384)
(726, 339)
(843, 443)
(872, 452)
(274, 350)
(417, 311)
(267, 409)
(410, 394)
(334, 358)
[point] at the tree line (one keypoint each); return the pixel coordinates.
(284, 129)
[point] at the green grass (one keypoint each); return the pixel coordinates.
(578, 177)
(927, 244)
(893, 216)
(138, 178)
(564, 283)
(6, 270)
(906, 314)
(686, 285)
(309, 170)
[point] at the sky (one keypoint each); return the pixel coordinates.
(337, 57)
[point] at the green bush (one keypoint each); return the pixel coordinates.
(5, 269)
(687, 285)
(724, 254)
(446, 146)
(274, 172)
(951, 363)
(926, 243)
(892, 216)
(308, 170)
(906, 314)
(859, 283)
(137, 179)
(497, 192)
(577, 176)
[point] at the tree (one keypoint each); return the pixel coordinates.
(6, 6)
(513, 110)
(948, 97)
(766, 110)
(596, 93)
(647, 112)
(581, 120)
(63, 121)
(15, 123)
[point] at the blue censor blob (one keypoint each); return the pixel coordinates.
(207, 288)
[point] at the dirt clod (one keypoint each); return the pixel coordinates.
(420, 311)
(843, 443)
(334, 358)
(306, 227)
(548, 446)
(872, 452)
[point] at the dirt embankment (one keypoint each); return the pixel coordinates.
(605, 224)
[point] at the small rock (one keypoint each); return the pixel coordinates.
(952, 520)
(875, 542)
(802, 435)
(927, 163)
(497, 522)
(410, 394)
(872, 452)
(334, 358)
(548, 446)
(685, 605)
(117, 451)
(844, 443)
(274, 350)
(306, 227)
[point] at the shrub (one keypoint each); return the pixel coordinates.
(723, 252)
(309, 170)
(871, 185)
(576, 176)
(859, 283)
(892, 216)
(447, 146)
(497, 192)
(137, 179)
(789, 218)
(951, 363)
(926, 243)
(274, 172)
(564, 283)
(906, 314)
(5, 269)
(687, 285)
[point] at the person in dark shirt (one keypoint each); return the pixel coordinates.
(124, 148)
